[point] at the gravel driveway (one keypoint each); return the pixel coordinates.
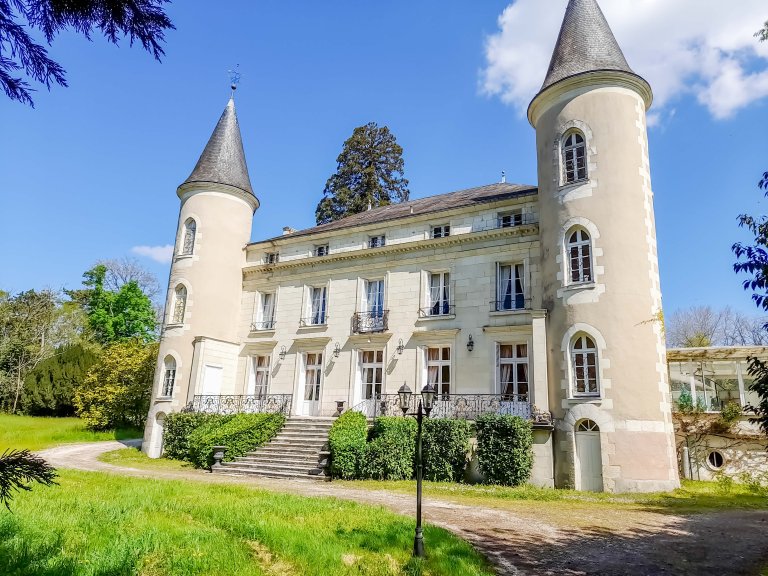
(534, 540)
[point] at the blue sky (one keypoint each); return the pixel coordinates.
(91, 172)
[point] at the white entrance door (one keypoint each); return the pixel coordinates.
(589, 462)
(313, 375)
(212, 380)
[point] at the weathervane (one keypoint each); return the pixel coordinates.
(234, 79)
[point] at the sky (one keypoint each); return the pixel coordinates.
(91, 172)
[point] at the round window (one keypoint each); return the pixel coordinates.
(715, 459)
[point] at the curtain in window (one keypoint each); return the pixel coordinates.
(268, 310)
(375, 297)
(519, 292)
(318, 305)
(505, 288)
(261, 375)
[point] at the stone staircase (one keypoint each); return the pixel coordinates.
(300, 450)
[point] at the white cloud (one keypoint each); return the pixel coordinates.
(162, 254)
(705, 48)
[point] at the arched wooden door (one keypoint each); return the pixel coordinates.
(589, 461)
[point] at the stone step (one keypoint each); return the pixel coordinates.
(234, 471)
(295, 443)
(301, 435)
(288, 449)
(260, 467)
(281, 459)
(306, 429)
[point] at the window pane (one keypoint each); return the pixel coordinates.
(522, 350)
(380, 356)
(506, 351)
(446, 353)
(433, 354)
(446, 374)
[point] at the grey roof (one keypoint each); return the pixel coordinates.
(438, 203)
(223, 160)
(585, 44)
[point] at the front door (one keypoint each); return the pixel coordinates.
(313, 375)
(589, 462)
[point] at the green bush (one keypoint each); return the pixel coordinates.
(347, 440)
(176, 430)
(504, 449)
(240, 433)
(391, 451)
(445, 445)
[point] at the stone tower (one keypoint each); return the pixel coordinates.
(607, 365)
(205, 284)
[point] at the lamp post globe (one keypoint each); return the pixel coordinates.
(405, 397)
(428, 397)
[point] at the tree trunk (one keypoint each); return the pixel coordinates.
(18, 389)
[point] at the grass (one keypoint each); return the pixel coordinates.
(35, 433)
(98, 524)
(693, 497)
(135, 458)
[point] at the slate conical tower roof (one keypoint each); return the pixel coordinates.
(223, 159)
(585, 44)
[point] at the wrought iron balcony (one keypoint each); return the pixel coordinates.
(365, 322)
(459, 406)
(236, 404)
(508, 304)
(319, 319)
(437, 309)
(263, 325)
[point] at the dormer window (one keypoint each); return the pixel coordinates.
(271, 258)
(322, 250)
(574, 158)
(510, 219)
(441, 231)
(376, 241)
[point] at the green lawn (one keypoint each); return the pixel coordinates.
(692, 497)
(135, 458)
(37, 433)
(97, 524)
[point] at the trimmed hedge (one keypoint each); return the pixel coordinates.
(504, 449)
(177, 428)
(390, 453)
(347, 440)
(240, 433)
(445, 446)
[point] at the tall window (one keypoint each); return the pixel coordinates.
(371, 372)
(317, 305)
(267, 312)
(188, 245)
(513, 371)
(260, 383)
(374, 297)
(439, 369)
(574, 158)
(584, 366)
(579, 250)
(169, 377)
(179, 304)
(312, 376)
(439, 294)
(510, 293)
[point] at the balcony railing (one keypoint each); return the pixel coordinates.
(459, 406)
(512, 220)
(236, 404)
(314, 320)
(437, 309)
(365, 322)
(516, 302)
(263, 325)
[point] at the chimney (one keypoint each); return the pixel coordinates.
(288, 230)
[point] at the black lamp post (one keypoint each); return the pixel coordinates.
(425, 407)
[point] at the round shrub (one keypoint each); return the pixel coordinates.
(445, 445)
(240, 433)
(392, 448)
(504, 449)
(347, 439)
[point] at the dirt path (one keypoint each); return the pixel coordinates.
(534, 540)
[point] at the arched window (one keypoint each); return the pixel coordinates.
(169, 377)
(179, 304)
(574, 158)
(579, 251)
(584, 366)
(587, 426)
(188, 245)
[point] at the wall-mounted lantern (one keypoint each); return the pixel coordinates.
(283, 352)
(470, 344)
(400, 347)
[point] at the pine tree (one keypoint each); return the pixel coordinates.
(369, 174)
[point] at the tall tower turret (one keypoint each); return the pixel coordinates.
(607, 356)
(205, 284)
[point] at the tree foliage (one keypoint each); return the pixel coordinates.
(122, 271)
(752, 260)
(701, 326)
(49, 390)
(117, 389)
(18, 469)
(369, 174)
(142, 21)
(123, 314)
(762, 34)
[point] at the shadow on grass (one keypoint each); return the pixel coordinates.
(20, 557)
(129, 433)
(727, 543)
